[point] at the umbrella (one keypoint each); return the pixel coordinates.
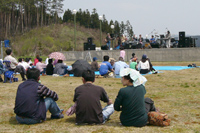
(57, 55)
(79, 66)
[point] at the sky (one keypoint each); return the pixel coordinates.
(147, 16)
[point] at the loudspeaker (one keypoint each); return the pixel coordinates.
(182, 39)
(104, 47)
(89, 46)
(187, 41)
(127, 46)
(85, 46)
(90, 41)
(93, 47)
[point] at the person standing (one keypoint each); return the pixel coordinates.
(108, 38)
(122, 53)
(168, 39)
(140, 42)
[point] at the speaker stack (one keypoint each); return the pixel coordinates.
(89, 44)
(181, 42)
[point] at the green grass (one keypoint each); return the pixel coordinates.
(176, 93)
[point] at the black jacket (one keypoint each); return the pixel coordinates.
(29, 100)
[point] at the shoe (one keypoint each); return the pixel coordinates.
(43, 74)
(59, 116)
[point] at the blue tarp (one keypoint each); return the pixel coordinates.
(171, 68)
(158, 68)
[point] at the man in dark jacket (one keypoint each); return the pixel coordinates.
(30, 104)
(87, 98)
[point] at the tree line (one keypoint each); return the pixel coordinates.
(19, 16)
(91, 20)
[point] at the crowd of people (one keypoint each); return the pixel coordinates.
(22, 65)
(34, 99)
(140, 41)
(109, 66)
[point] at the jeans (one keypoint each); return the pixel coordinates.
(108, 44)
(107, 111)
(50, 104)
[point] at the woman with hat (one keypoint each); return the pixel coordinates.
(130, 100)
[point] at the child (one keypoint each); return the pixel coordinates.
(30, 104)
(122, 53)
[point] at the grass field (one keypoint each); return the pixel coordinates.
(176, 93)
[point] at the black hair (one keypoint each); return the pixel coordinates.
(106, 58)
(88, 75)
(50, 61)
(8, 51)
(121, 58)
(37, 56)
(128, 78)
(20, 60)
(40, 59)
(27, 59)
(33, 73)
(60, 61)
(133, 54)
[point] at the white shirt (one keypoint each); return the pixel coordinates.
(144, 65)
(13, 61)
(119, 65)
(24, 64)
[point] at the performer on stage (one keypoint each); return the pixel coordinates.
(107, 40)
(140, 41)
(168, 39)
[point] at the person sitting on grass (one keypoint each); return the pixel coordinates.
(41, 66)
(130, 100)
(87, 98)
(49, 68)
(133, 64)
(144, 66)
(94, 64)
(33, 100)
(60, 68)
(105, 67)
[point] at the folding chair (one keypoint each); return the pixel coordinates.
(8, 74)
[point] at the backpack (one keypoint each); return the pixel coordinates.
(158, 119)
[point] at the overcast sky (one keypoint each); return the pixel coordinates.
(147, 15)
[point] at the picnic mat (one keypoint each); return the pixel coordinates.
(158, 68)
(171, 68)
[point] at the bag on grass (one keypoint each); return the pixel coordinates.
(158, 119)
